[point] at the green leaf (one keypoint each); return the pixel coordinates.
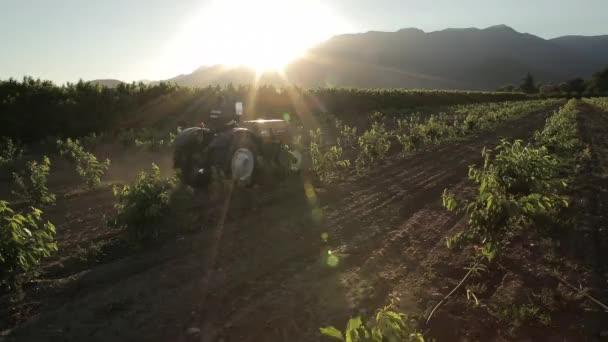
(354, 323)
(332, 332)
(489, 202)
(394, 315)
(489, 251)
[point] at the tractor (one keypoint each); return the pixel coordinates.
(237, 150)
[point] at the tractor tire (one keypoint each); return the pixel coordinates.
(242, 164)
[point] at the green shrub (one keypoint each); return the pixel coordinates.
(377, 117)
(459, 121)
(519, 185)
(143, 208)
(410, 133)
(438, 129)
(326, 164)
(373, 145)
(348, 136)
(10, 153)
(388, 326)
(559, 134)
(24, 241)
(87, 165)
(599, 102)
(31, 183)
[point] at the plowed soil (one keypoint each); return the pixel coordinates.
(280, 266)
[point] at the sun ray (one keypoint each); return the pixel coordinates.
(250, 104)
(298, 99)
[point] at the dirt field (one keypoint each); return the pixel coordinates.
(273, 275)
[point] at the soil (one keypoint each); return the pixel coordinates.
(277, 265)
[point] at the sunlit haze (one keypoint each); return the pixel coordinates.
(67, 40)
(264, 34)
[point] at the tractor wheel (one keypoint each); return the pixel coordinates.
(242, 163)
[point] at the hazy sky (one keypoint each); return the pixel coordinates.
(64, 40)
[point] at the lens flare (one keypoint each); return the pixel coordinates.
(332, 260)
(324, 236)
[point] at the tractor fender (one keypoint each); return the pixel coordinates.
(188, 136)
(187, 142)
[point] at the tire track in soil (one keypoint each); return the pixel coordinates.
(593, 188)
(269, 282)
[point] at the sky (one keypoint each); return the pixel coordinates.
(67, 40)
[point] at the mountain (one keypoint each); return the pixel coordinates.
(468, 58)
(594, 48)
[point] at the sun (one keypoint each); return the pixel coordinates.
(263, 34)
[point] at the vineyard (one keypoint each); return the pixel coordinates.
(420, 216)
(34, 109)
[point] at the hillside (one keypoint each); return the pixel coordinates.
(219, 74)
(467, 58)
(594, 48)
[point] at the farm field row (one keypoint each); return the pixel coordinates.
(365, 229)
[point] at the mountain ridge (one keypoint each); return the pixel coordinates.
(453, 58)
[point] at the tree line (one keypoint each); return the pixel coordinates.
(596, 85)
(33, 109)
